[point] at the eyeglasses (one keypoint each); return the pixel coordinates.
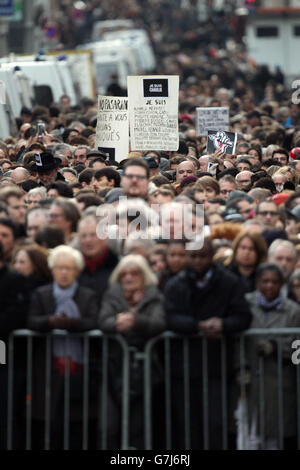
(226, 191)
(138, 177)
(264, 213)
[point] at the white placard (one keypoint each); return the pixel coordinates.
(215, 119)
(112, 132)
(153, 112)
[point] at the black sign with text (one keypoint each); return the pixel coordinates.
(156, 87)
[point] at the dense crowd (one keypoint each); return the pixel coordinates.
(73, 257)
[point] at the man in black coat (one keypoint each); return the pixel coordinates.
(205, 299)
(13, 311)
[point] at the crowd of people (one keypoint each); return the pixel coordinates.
(78, 252)
(90, 243)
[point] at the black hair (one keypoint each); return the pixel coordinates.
(282, 152)
(263, 267)
(110, 175)
(7, 222)
(50, 236)
(266, 183)
(62, 188)
(86, 176)
(270, 162)
(27, 185)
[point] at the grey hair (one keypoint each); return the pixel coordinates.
(281, 244)
(64, 251)
(42, 191)
(137, 261)
(71, 170)
(61, 148)
(139, 240)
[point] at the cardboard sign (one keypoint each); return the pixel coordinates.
(225, 141)
(112, 132)
(153, 112)
(216, 119)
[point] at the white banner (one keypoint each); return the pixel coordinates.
(153, 112)
(112, 133)
(215, 119)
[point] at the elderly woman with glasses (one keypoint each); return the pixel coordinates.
(132, 307)
(62, 305)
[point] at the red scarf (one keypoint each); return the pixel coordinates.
(93, 263)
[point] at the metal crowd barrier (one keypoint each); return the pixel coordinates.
(163, 344)
(168, 337)
(87, 337)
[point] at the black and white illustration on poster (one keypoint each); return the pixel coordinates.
(112, 130)
(153, 112)
(215, 118)
(222, 140)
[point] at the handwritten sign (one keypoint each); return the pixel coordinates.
(216, 119)
(112, 132)
(153, 112)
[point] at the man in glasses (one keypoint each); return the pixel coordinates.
(135, 179)
(267, 213)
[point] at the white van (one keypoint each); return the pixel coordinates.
(45, 73)
(102, 27)
(79, 70)
(4, 122)
(138, 40)
(12, 92)
(273, 38)
(107, 66)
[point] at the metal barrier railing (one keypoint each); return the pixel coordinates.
(176, 354)
(244, 345)
(30, 336)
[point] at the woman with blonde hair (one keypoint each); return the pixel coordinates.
(290, 173)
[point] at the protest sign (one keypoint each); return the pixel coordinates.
(225, 141)
(153, 112)
(216, 119)
(112, 132)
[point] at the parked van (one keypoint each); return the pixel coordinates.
(4, 122)
(102, 27)
(13, 97)
(47, 74)
(138, 40)
(273, 36)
